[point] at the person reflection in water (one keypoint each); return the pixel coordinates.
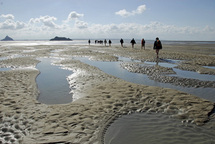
(157, 46)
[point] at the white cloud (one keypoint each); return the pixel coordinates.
(74, 15)
(81, 24)
(45, 27)
(209, 29)
(7, 16)
(45, 20)
(124, 13)
(140, 9)
(12, 25)
(151, 31)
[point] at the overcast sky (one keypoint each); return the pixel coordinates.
(166, 19)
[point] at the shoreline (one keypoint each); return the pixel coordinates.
(103, 97)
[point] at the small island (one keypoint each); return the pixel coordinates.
(7, 38)
(60, 39)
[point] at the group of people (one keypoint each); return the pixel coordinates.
(101, 42)
(157, 44)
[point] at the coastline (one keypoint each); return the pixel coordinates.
(101, 97)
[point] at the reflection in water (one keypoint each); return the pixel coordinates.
(52, 83)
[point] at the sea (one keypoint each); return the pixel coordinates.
(114, 42)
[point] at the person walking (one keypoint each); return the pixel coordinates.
(143, 44)
(121, 41)
(105, 42)
(133, 42)
(89, 41)
(109, 42)
(157, 46)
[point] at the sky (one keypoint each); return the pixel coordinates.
(111, 19)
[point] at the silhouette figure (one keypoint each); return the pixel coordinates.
(105, 42)
(109, 42)
(143, 44)
(133, 42)
(121, 41)
(157, 46)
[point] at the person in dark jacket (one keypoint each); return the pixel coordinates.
(157, 46)
(109, 42)
(105, 42)
(133, 42)
(121, 41)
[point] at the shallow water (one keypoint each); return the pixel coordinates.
(210, 67)
(163, 64)
(155, 128)
(183, 73)
(113, 68)
(52, 83)
(193, 75)
(5, 69)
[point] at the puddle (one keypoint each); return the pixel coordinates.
(113, 68)
(193, 75)
(125, 59)
(5, 69)
(163, 64)
(3, 58)
(182, 73)
(155, 128)
(171, 61)
(52, 83)
(210, 67)
(11, 57)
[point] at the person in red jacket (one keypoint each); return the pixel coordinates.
(143, 44)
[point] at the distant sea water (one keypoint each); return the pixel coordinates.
(85, 42)
(138, 41)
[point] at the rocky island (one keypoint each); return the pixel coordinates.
(60, 39)
(7, 38)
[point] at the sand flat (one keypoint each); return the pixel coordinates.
(99, 98)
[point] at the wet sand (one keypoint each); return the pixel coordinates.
(99, 98)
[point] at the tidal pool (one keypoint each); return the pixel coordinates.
(210, 67)
(163, 64)
(193, 75)
(114, 68)
(5, 69)
(52, 83)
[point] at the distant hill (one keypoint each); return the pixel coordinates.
(7, 38)
(60, 39)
